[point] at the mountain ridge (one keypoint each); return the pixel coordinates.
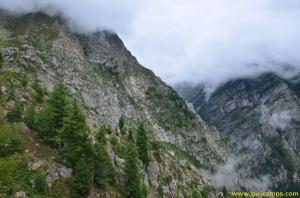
(109, 83)
(259, 118)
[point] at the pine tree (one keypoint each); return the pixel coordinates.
(103, 166)
(39, 92)
(225, 192)
(74, 134)
(49, 121)
(77, 148)
(56, 105)
(142, 145)
(101, 138)
(30, 117)
(83, 179)
(132, 180)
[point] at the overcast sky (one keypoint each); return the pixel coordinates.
(193, 40)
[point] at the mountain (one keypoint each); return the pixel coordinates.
(260, 118)
(45, 64)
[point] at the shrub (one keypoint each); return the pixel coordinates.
(122, 125)
(16, 113)
(143, 190)
(167, 180)
(10, 140)
(101, 138)
(160, 190)
(30, 117)
(156, 145)
(12, 173)
(83, 179)
(39, 92)
(114, 140)
(196, 194)
(39, 179)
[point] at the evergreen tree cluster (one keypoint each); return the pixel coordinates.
(135, 151)
(62, 124)
(142, 145)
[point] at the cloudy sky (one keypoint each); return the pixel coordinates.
(192, 40)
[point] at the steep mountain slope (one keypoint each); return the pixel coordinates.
(108, 82)
(260, 117)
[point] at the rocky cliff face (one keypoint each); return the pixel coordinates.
(108, 82)
(260, 119)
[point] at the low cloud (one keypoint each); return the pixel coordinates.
(196, 40)
(230, 176)
(277, 119)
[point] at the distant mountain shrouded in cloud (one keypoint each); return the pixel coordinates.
(196, 40)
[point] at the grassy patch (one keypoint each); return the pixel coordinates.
(10, 140)
(15, 177)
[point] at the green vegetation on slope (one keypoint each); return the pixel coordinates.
(175, 113)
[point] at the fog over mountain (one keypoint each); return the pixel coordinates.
(195, 40)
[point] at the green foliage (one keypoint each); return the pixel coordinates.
(10, 140)
(225, 192)
(173, 112)
(50, 120)
(10, 169)
(143, 191)
(103, 166)
(156, 145)
(15, 115)
(39, 92)
(122, 125)
(63, 123)
(114, 140)
(142, 145)
(22, 79)
(56, 104)
(132, 177)
(30, 117)
(44, 128)
(101, 138)
(83, 179)
(130, 135)
(167, 180)
(282, 155)
(205, 191)
(40, 183)
(196, 194)
(160, 190)
(15, 177)
(1, 60)
(77, 148)
(40, 26)
(11, 91)
(183, 154)
(74, 135)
